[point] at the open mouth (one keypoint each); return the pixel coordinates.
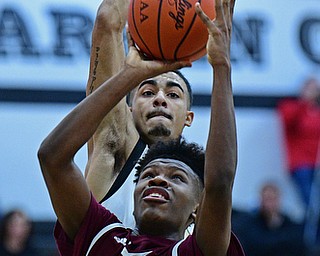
(159, 113)
(156, 194)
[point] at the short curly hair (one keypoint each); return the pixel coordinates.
(191, 154)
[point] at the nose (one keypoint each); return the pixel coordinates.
(160, 100)
(158, 181)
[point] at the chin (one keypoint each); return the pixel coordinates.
(159, 131)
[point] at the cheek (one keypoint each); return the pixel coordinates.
(140, 185)
(186, 195)
(139, 109)
(137, 114)
(181, 112)
(137, 189)
(191, 195)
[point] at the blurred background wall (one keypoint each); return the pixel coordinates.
(44, 57)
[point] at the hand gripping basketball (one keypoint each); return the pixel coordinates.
(169, 29)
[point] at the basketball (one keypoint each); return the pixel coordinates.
(169, 29)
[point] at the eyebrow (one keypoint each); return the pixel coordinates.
(153, 82)
(174, 170)
(188, 171)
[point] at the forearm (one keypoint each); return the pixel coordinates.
(221, 148)
(106, 59)
(220, 165)
(221, 145)
(67, 138)
(107, 51)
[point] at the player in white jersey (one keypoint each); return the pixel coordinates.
(159, 110)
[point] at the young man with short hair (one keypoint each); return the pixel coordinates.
(165, 183)
(160, 108)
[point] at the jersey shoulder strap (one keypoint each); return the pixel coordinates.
(127, 168)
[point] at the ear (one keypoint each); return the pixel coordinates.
(193, 215)
(189, 118)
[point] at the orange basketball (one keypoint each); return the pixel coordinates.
(169, 29)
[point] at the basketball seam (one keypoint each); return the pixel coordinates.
(136, 29)
(158, 30)
(194, 53)
(184, 37)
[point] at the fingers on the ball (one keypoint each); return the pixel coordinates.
(182, 64)
(202, 15)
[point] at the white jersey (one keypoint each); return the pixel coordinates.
(119, 199)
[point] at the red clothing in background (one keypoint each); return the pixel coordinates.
(301, 122)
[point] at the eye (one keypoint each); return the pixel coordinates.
(173, 95)
(147, 93)
(177, 177)
(147, 175)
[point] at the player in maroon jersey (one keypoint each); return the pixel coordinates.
(168, 194)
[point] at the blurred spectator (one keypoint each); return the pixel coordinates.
(15, 234)
(267, 231)
(301, 123)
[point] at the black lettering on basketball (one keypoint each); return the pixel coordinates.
(143, 16)
(181, 6)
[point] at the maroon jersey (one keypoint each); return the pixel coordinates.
(102, 234)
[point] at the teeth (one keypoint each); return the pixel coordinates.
(156, 195)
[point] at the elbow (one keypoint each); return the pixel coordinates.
(43, 154)
(47, 156)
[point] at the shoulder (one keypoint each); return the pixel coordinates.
(235, 247)
(189, 246)
(97, 217)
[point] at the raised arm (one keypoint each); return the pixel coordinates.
(68, 190)
(213, 226)
(116, 135)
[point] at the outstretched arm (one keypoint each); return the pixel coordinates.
(68, 190)
(116, 135)
(213, 226)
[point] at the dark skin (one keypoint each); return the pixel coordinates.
(64, 180)
(175, 188)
